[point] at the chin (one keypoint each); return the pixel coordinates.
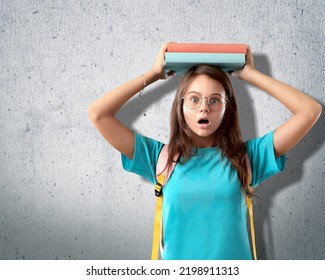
(204, 136)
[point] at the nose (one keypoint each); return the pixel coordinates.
(204, 105)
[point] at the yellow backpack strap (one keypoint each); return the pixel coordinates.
(251, 221)
(249, 203)
(162, 175)
(157, 222)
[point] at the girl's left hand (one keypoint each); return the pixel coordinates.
(249, 66)
(159, 65)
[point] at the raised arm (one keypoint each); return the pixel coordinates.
(305, 110)
(102, 111)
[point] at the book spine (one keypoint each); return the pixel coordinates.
(181, 62)
(201, 58)
(206, 48)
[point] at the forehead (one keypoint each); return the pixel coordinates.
(205, 85)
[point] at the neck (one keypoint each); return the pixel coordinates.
(204, 142)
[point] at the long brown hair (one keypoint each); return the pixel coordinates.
(228, 136)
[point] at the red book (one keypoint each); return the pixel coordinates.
(206, 48)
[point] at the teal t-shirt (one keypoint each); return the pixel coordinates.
(204, 210)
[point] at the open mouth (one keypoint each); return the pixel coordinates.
(203, 121)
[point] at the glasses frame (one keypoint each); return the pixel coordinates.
(208, 98)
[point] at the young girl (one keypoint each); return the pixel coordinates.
(204, 211)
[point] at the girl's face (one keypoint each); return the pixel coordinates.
(205, 118)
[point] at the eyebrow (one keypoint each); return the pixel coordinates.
(214, 93)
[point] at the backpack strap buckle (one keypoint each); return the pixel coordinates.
(158, 189)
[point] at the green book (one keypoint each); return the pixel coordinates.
(180, 62)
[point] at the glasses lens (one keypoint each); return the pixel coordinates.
(192, 100)
(216, 102)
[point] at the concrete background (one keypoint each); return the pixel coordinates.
(63, 193)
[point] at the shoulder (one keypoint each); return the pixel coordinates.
(145, 157)
(260, 142)
(147, 148)
(262, 157)
(145, 141)
(260, 147)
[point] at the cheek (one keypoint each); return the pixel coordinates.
(218, 122)
(218, 118)
(189, 116)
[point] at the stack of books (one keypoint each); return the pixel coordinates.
(179, 57)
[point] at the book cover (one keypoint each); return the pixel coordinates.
(206, 48)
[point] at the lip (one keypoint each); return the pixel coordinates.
(203, 125)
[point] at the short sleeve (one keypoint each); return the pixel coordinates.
(144, 161)
(262, 158)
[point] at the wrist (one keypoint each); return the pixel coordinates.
(249, 75)
(151, 76)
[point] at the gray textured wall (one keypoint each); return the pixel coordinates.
(63, 194)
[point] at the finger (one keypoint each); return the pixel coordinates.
(249, 57)
(165, 75)
(171, 73)
(248, 49)
(164, 47)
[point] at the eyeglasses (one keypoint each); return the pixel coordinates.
(193, 100)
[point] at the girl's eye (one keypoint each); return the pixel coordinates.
(214, 101)
(194, 99)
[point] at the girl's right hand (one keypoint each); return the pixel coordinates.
(243, 73)
(159, 65)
